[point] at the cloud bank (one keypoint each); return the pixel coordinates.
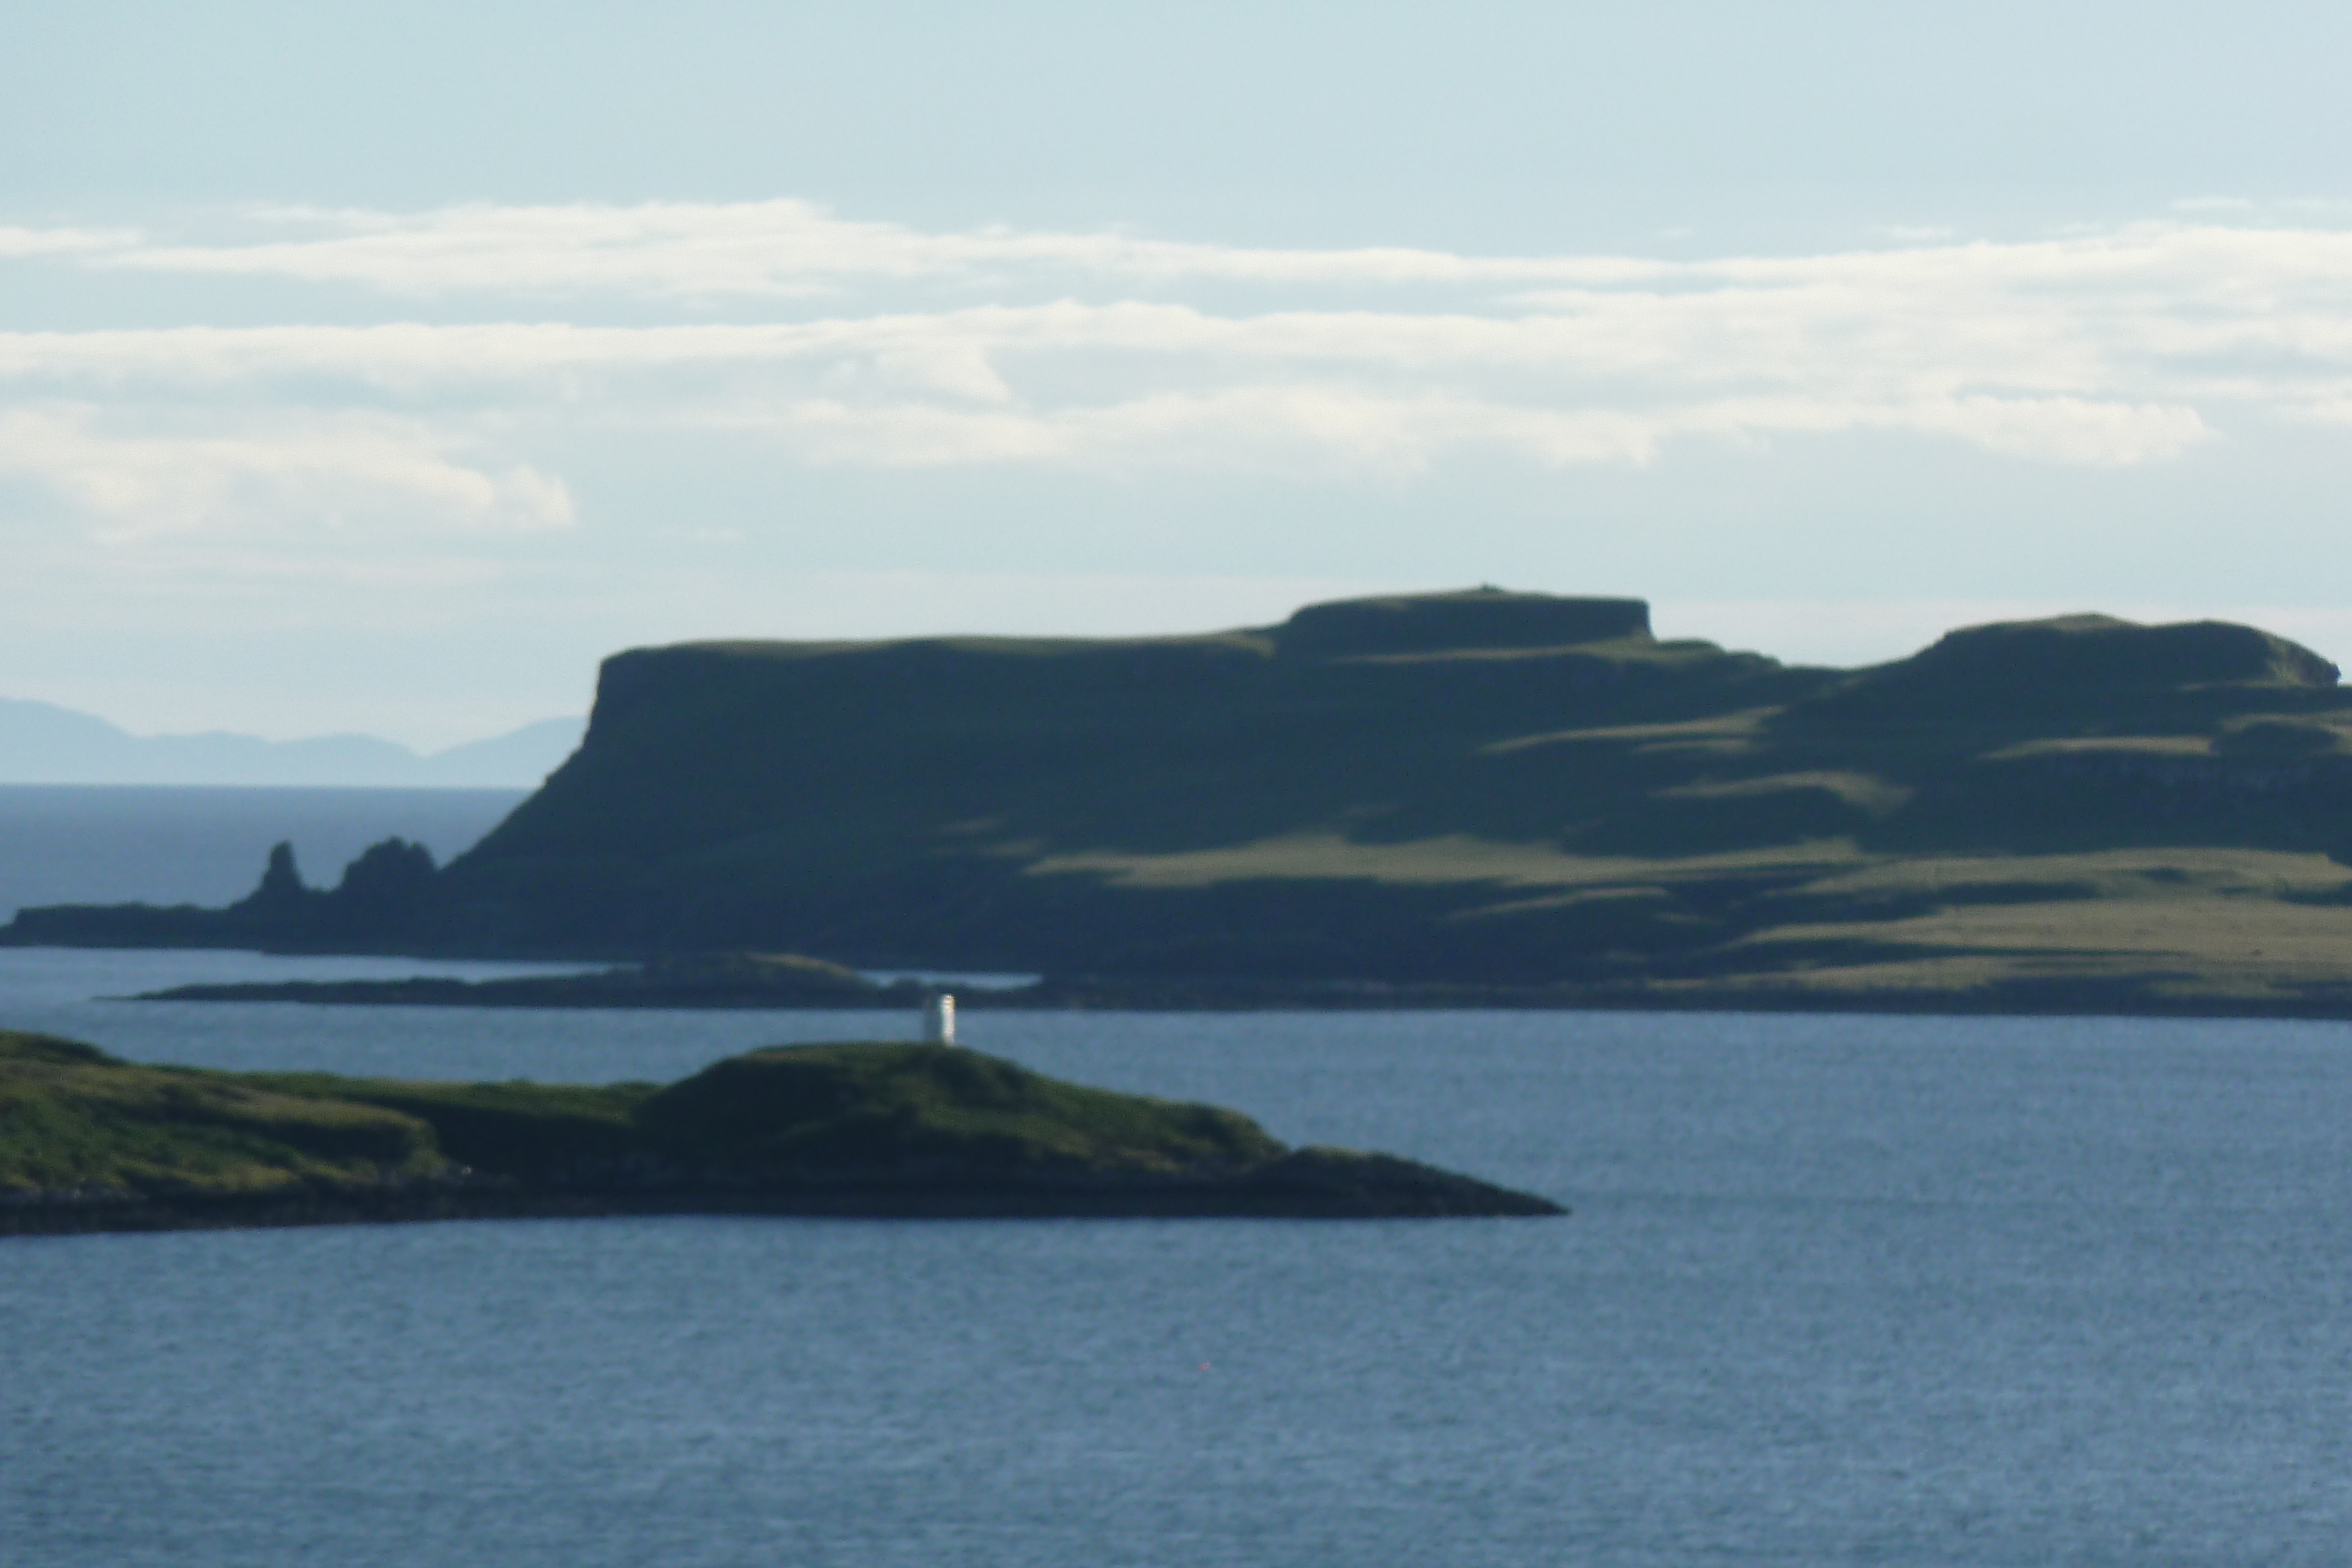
(421, 358)
(338, 470)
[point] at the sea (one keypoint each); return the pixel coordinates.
(1835, 1290)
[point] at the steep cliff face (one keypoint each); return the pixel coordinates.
(946, 797)
(1166, 744)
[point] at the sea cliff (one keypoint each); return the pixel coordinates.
(1482, 791)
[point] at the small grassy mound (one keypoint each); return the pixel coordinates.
(2073, 660)
(915, 1107)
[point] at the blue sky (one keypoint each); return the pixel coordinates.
(380, 368)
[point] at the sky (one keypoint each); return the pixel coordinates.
(382, 368)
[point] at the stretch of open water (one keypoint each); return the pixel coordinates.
(1836, 1290)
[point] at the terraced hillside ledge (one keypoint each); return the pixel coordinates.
(90, 1143)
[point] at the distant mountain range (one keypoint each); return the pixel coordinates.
(41, 743)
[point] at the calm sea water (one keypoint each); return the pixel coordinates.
(1837, 1291)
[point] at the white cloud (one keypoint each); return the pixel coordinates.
(1295, 427)
(2069, 430)
(791, 249)
(333, 471)
(2111, 349)
(781, 248)
(18, 243)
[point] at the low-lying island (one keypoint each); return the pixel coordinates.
(90, 1143)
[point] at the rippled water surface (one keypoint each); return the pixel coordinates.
(1836, 1290)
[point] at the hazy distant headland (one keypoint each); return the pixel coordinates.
(41, 743)
(1469, 793)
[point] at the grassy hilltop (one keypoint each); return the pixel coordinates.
(1462, 788)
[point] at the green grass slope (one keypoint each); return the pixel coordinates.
(76, 1123)
(535, 1134)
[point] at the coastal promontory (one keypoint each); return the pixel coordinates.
(89, 1143)
(1447, 797)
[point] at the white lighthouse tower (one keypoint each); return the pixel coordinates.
(939, 1019)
